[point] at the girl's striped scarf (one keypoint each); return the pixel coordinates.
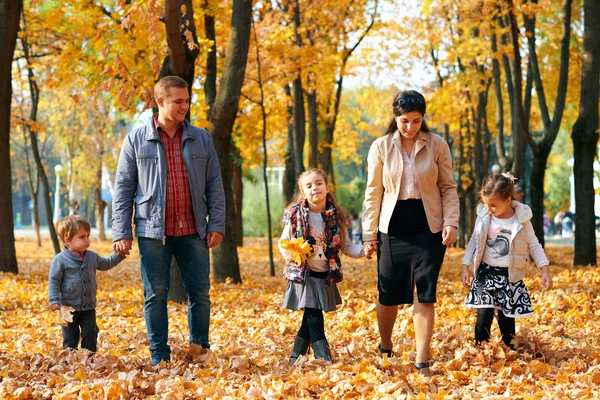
(297, 216)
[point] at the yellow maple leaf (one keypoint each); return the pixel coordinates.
(65, 315)
(297, 249)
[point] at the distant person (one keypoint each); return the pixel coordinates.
(519, 193)
(356, 224)
(169, 170)
(410, 214)
(315, 216)
(568, 225)
(558, 218)
(72, 281)
(498, 255)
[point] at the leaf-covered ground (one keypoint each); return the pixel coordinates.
(251, 336)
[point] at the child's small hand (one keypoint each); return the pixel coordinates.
(55, 307)
(369, 247)
(466, 275)
(546, 278)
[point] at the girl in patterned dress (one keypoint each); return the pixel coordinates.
(497, 255)
(315, 218)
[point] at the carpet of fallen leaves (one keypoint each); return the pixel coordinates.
(251, 335)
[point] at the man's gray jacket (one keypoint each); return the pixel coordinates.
(141, 181)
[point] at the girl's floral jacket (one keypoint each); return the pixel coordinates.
(297, 217)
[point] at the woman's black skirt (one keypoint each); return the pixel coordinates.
(410, 254)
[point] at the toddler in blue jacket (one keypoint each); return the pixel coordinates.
(72, 281)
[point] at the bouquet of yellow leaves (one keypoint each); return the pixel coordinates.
(297, 249)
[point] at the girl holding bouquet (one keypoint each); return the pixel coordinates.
(314, 233)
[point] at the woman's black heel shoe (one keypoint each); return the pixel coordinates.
(423, 369)
(381, 351)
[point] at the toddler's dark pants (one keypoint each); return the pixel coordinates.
(86, 321)
(485, 316)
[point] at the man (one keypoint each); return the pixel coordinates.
(170, 171)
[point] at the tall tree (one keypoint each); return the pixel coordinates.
(33, 134)
(585, 137)
(550, 125)
(10, 12)
(224, 111)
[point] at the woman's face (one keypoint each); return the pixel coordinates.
(409, 124)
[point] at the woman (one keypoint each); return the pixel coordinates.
(410, 215)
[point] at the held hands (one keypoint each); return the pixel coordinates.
(449, 235)
(466, 276)
(123, 246)
(546, 278)
(369, 247)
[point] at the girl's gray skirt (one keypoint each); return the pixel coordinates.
(312, 293)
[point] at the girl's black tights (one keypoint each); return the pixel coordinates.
(485, 316)
(313, 325)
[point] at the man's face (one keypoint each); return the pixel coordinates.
(175, 105)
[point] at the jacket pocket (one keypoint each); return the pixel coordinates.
(142, 206)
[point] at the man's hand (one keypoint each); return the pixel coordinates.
(123, 246)
(214, 239)
(55, 307)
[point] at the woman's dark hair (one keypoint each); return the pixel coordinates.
(499, 185)
(405, 102)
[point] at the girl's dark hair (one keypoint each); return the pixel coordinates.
(498, 185)
(405, 102)
(341, 214)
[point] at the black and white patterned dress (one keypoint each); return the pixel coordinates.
(491, 287)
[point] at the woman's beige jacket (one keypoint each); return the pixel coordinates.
(433, 163)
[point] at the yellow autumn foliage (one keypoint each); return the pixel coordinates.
(558, 353)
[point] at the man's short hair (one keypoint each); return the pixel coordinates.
(70, 225)
(164, 84)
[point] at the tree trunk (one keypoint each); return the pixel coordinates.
(183, 51)
(299, 126)
(289, 178)
(35, 97)
(313, 130)
(551, 126)
(100, 206)
(225, 257)
(10, 11)
(585, 138)
(265, 155)
(210, 83)
(238, 198)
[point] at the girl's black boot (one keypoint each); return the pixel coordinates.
(301, 347)
(321, 349)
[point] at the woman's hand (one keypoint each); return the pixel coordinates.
(546, 278)
(369, 247)
(55, 307)
(466, 276)
(449, 235)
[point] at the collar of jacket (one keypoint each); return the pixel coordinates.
(72, 256)
(522, 211)
(420, 140)
(152, 133)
